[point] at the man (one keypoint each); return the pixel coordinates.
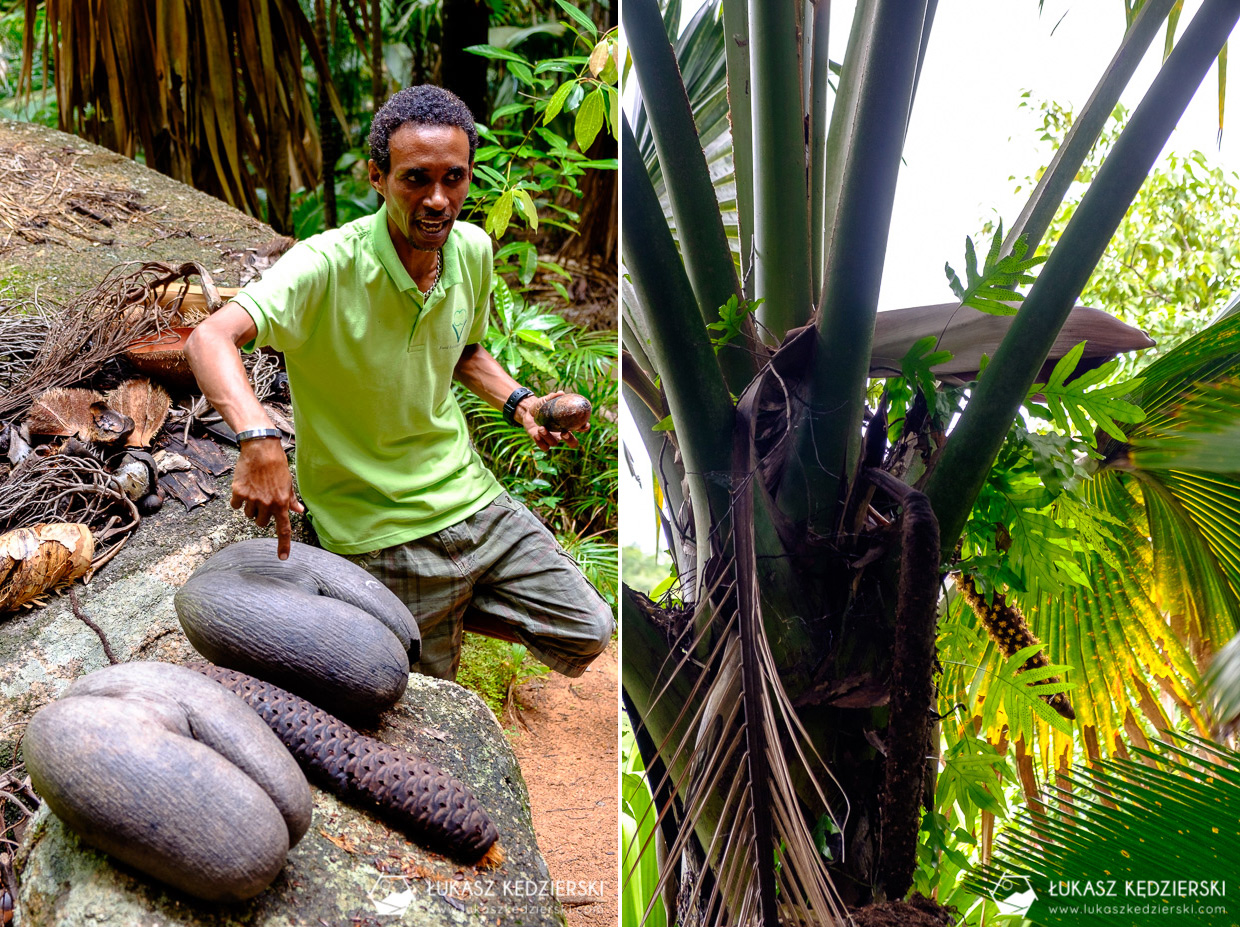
(375, 320)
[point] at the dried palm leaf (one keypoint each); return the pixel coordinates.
(146, 403)
(969, 335)
(91, 329)
(214, 93)
(35, 560)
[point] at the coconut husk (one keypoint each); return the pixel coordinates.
(35, 560)
(65, 412)
(146, 403)
(80, 413)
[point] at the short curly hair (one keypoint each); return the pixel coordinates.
(424, 105)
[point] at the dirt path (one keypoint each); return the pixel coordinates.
(569, 758)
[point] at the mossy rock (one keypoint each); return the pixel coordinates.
(172, 222)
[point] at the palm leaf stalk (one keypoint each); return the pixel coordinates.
(703, 244)
(1036, 216)
(740, 118)
(860, 195)
(781, 227)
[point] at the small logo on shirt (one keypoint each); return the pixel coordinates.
(458, 322)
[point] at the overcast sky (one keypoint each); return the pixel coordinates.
(968, 137)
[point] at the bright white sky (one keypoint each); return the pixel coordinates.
(968, 137)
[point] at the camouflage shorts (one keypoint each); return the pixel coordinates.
(502, 564)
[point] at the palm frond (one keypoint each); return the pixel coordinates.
(196, 84)
(1109, 825)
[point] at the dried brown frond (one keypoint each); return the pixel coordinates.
(89, 330)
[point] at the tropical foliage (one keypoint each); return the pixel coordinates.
(788, 682)
(258, 102)
(1110, 819)
(572, 489)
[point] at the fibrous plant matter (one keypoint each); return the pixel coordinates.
(436, 807)
(38, 559)
(68, 488)
(146, 404)
(90, 329)
(38, 204)
(196, 86)
(80, 413)
(1008, 628)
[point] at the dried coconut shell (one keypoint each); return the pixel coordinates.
(40, 558)
(146, 403)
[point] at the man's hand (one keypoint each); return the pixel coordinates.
(263, 484)
(538, 434)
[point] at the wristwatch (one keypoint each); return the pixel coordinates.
(510, 407)
(251, 434)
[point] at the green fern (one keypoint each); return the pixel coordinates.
(993, 289)
(1017, 691)
(1084, 401)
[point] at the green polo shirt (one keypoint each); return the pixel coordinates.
(383, 454)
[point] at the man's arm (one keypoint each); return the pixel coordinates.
(482, 375)
(261, 480)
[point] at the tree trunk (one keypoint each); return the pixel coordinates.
(378, 88)
(595, 241)
(465, 23)
(329, 137)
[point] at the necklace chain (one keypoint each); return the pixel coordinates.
(438, 270)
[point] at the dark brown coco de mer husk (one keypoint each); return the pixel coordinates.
(167, 771)
(407, 790)
(569, 412)
(315, 624)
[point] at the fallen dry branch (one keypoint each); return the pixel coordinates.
(90, 330)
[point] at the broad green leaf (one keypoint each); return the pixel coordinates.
(525, 203)
(500, 215)
(557, 101)
(508, 110)
(600, 56)
(536, 337)
(496, 54)
(538, 360)
(579, 17)
(589, 119)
